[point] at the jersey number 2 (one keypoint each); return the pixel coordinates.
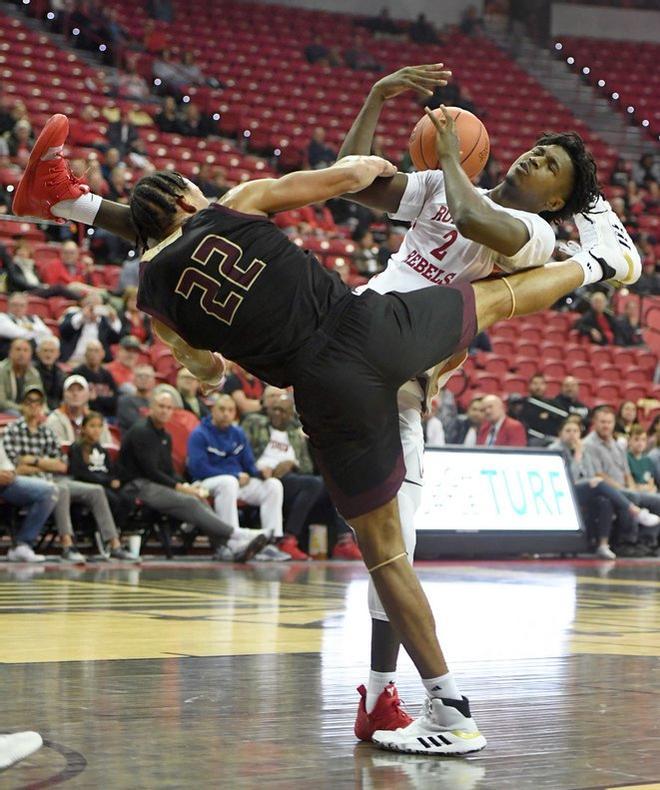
(440, 252)
(217, 251)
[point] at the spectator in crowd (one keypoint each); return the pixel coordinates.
(464, 429)
(123, 134)
(245, 389)
(654, 444)
(358, 57)
(122, 367)
(648, 166)
(69, 270)
(52, 375)
(17, 374)
(20, 141)
(67, 420)
(118, 189)
(642, 468)
(17, 323)
(626, 419)
(220, 459)
(132, 406)
(212, 180)
(133, 321)
(194, 124)
(316, 51)
(38, 497)
(607, 459)
(155, 38)
(6, 120)
(388, 246)
(188, 387)
(449, 95)
(366, 258)
(279, 446)
(84, 130)
(318, 153)
(630, 329)
(598, 323)
(33, 448)
(111, 160)
(91, 321)
(601, 501)
(620, 173)
(145, 462)
(568, 399)
(383, 23)
(129, 84)
(497, 429)
(422, 31)
(539, 414)
(103, 388)
(168, 71)
(167, 119)
(22, 275)
(90, 462)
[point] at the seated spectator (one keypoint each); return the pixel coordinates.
(119, 190)
(358, 58)
(318, 153)
(129, 84)
(33, 448)
(600, 501)
(647, 166)
(280, 447)
(188, 387)
(130, 407)
(155, 37)
(498, 430)
(22, 275)
(71, 269)
(133, 321)
(630, 330)
(212, 181)
(642, 468)
(568, 400)
(167, 119)
(67, 420)
(422, 31)
(52, 375)
(17, 373)
(316, 51)
(122, 367)
(620, 173)
(103, 388)
(220, 459)
(145, 464)
(626, 419)
(389, 246)
(464, 429)
(111, 160)
(17, 323)
(122, 134)
(365, 257)
(91, 321)
(539, 414)
(167, 70)
(194, 124)
(607, 459)
(598, 323)
(245, 389)
(84, 131)
(20, 141)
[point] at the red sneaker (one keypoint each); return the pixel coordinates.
(289, 545)
(47, 178)
(387, 715)
(346, 549)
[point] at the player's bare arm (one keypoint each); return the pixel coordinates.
(206, 366)
(385, 194)
(473, 215)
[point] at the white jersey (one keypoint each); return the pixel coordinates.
(434, 253)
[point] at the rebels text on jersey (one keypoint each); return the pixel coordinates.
(434, 253)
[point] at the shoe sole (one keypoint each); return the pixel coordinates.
(56, 128)
(252, 549)
(447, 751)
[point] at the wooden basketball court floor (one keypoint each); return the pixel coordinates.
(199, 675)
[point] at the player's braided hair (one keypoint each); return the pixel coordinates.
(585, 190)
(153, 204)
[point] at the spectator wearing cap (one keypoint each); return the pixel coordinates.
(38, 497)
(598, 324)
(568, 399)
(16, 322)
(122, 368)
(52, 375)
(67, 420)
(34, 450)
(16, 374)
(188, 387)
(103, 387)
(498, 430)
(130, 407)
(91, 321)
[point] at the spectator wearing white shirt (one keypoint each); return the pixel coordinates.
(17, 323)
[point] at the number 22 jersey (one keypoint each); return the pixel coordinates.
(234, 283)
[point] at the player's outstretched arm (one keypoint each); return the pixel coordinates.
(270, 195)
(116, 219)
(207, 366)
(385, 194)
(473, 215)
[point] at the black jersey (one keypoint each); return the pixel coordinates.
(234, 283)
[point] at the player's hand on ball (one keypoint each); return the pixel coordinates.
(447, 142)
(422, 79)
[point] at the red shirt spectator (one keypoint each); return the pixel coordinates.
(498, 430)
(123, 367)
(65, 270)
(84, 131)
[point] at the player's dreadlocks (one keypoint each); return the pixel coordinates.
(585, 190)
(153, 204)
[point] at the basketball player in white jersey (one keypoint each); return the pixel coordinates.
(458, 234)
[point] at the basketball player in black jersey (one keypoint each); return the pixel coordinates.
(222, 279)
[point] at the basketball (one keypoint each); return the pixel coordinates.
(472, 134)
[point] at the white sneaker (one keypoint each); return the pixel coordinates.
(24, 553)
(271, 553)
(446, 727)
(644, 517)
(603, 237)
(71, 554)
(17, 746)
(605, 553)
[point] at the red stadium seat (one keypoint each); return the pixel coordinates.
(496, 364)
(608, 393)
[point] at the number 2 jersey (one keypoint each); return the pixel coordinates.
(234, 283)
(434, 253)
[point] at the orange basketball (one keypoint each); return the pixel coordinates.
(472, 134)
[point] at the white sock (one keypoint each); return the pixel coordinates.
(82, 209)
(592, 270)
(375, 685)
(444, 686)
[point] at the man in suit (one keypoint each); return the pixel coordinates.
(122, 134)
(498, 430)
(464, 429)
